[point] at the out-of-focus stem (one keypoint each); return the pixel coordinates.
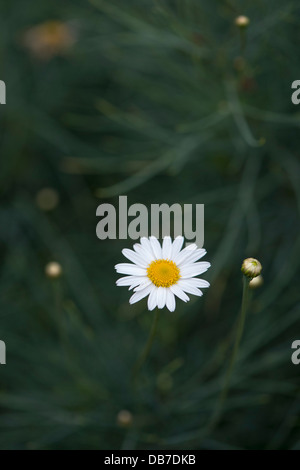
(140, 362)
(239, 333)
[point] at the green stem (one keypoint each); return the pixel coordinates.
(240, 329)
(243, 38)
(58, 296)
(140, 362)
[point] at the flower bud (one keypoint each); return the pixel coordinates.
(242, 21)
(251, 267)
(124, 418)
(53, 270)
(47, 199)
(49, 39)
(256, 282)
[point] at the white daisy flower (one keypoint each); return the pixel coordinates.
(163, 272)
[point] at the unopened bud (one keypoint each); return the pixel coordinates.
(49, 39)
(251, 268)
(53, 270)
(242, 21)
(47, 199)
(124, 418)
(256, 282)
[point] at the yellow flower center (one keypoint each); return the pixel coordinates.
(163, 273)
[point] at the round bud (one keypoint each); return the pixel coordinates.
(47, 199)
(49, 39)
(124, 418)
(242, 21)
(251, 267)
(256, 282)
(53, 270)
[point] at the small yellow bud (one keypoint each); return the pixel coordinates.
(251, 268)
(53, 270)
(124, 418)
(47, 199)
(242, 21)
(49, 39)
(256, 282)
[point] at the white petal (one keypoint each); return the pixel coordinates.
(143, 284)
(161, 297)
(149, 257)
(156, 248)
(184, 254)
(192, 257)
(147, 246)
(194, 281)
(191, 270)
(126, 268)
(152, 299)
(135, 258)
(170, 301)
(179, 292)
(137, 296)
(167, 248)
(177, 245)
(130, 280)
(187, 287)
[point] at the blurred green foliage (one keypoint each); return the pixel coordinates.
(165, 101)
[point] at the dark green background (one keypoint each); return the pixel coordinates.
(164, 101)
